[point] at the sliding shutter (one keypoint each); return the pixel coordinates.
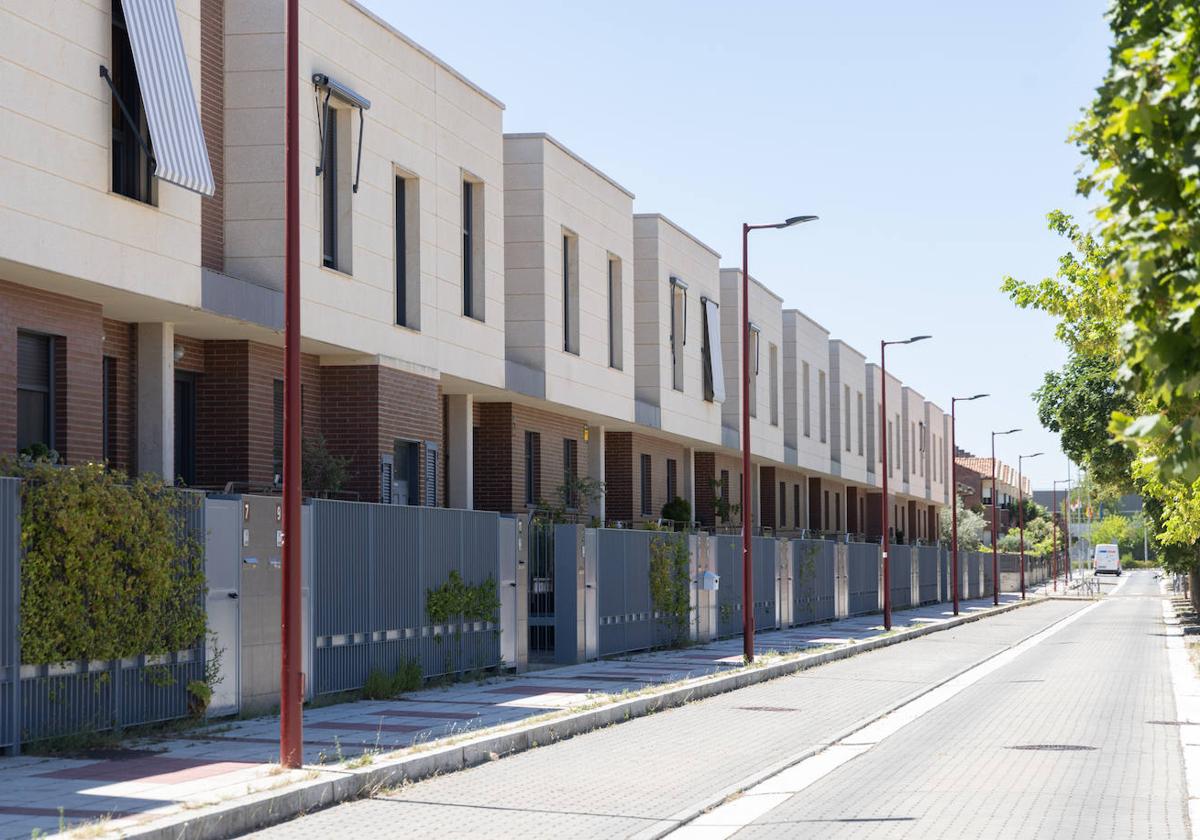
(716, 370)
(179, 151)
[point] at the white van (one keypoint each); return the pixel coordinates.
(1106, 559)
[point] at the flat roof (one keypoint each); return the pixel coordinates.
(377, 19)
(848, 347)
(660, 217)
(808, 318)
(541, 135)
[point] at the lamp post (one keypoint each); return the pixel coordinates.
(996, 523)
(291, 739)
(887, 573)
(747, 496)
(1021, 515)
(954, 494)
(1054, 520)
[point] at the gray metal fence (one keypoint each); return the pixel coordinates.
(988, 588)
(42, 700)
(813, 585)
(927, 573)
(372, 567)
(974, 569)
(627, 617)
(900, 558)
(863, 572)
(947, 594)
(729, 596)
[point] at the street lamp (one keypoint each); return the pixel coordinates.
(954, 494)
(1021, 515)
(996, 523)
(747, 504)
(1054, 520)
(887, 573)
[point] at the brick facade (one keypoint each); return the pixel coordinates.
(623, 453)
(78, 328)
(366, 409)
(500, 481)
(120, 378)
(618, 476)
(212, 120)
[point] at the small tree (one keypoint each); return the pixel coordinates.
(322, 472)
(678, 511)
(970, 527)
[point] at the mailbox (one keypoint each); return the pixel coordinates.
(710, 581)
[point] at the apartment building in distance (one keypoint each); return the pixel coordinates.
(486, 320)
(975, 490)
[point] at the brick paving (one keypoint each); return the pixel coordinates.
(228, 759)
(618, 781)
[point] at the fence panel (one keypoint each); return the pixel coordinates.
(729, 595)
(863, 570)
(628, 620)
(988, 577)
(927, 573)
(10, 610)
(947, 594)
(765, 557)
(900, 558)
(372, 567)
(813, 580)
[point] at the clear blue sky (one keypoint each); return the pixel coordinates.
(929, 136)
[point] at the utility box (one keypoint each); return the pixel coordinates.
(710, 581)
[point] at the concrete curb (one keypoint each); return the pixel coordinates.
(334, 786)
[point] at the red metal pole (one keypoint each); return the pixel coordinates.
(747, 494)
(887, 572)
(291, 697)
(1021, 520)
(1054, 534)
(954, 504)
(995, 531)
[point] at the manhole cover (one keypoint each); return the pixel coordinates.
(767, 708)
(1053, 747)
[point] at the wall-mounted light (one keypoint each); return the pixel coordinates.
(586, 434)
(179, 352)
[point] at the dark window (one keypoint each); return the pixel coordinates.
(614, 314)
(706, 352)
(672, 483)
(108, 408)
(401, 256)
(329, 187)
(532, 459)
(468, 247)
(133, 170)
(566, 293)
(406, 477)
(570, 471)
(185, 428)
(837, 511)
(646, 482)
(277, 431)
(782, 504)
(35, 389)
(725, 485)
(795, 505)
(825, 513)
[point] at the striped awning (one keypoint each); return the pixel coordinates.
(171, 112)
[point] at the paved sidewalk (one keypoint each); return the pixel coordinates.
(153, 777)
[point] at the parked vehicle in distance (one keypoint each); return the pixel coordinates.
(1106, 559)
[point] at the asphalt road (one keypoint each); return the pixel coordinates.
(1056, 723)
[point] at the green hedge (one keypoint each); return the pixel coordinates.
(109, 569)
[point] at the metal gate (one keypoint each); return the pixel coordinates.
(863, 568)
(813, 576)
(541, 591)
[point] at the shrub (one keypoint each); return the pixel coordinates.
(669, 583)
(381, 686)
(678, 511)
(108, 568)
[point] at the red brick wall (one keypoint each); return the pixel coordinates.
(366, 408)
(495, 457)
(212, 119)
(500, 485)
(79, 327)
(618, 476)
(120, 345)
(659, 451)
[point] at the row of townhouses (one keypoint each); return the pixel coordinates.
(484, 314)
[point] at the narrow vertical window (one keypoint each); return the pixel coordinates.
(672, 480)
(132, 161)
(859, 406)
(678, 330)
(532, 462)
(782, 505)
(846, 415)
(773, 370)
(647, 486)
(570, 293)
(825, 512)
(108, 409)
(468, 248)
(795, 505)
(570, 471)
(615, 324)
(725, 485)
(822, 397)
(401, 255)
(35, 391)
(806, 385)
(329, 192)
(755, 336)
(277, 431)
